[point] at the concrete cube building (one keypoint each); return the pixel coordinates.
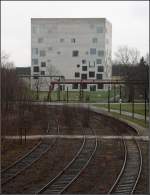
(77, 48)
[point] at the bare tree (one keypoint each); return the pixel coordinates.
(127, 56)
(15, 96)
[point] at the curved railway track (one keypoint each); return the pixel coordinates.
(131, 169)
(73, 169)
(27, 160)
(130, 173)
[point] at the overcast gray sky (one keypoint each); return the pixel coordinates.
(130, 23)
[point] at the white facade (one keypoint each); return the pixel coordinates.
(77, 48)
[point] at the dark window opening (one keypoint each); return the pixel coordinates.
(73, 40)
(75, 86)
(91, 74)
(83, 61)
(42, 72)
(100, 85)
(77, 74)
(36, 69)
(84, 68)
(75, 53)
(93, 88)
(78, 65)
(100, 69)
(84, 76)
(84, 86)
(99, 76)
(43, 64)
(36, 77)
(92, 51)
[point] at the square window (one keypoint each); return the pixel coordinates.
(43, 64)
(35, 51)
(83, 61)
(42, 72)
(92, 51)
(99, 29)
(50, 48)
(84, 86)
(77, 74)
(99, 76)
(36, 77)
(73, 40)
(40, 40)
(84, 68)
(91, 64)
(91, 74)
(84, 76)
(35, 61)
(94, 40)
(100, 69)
(93, 88)
(36, 69)
(78, 65)
(75, 53)
(42, 53)
(62, 40)
(101, 53)
(98, 61)
(100, 85)
(75, 86)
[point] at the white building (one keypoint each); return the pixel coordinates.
(77, 48)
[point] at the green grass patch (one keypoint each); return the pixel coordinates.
(138, 108)
(73, 96)
(136, 121)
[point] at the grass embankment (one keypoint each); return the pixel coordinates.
(136, 121)
(138, 109)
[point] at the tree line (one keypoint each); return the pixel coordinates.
(129, 66)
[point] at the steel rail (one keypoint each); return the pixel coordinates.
(130, 173)
(140, 168)
(58, 185)
(83, 167)
(21, 158)
(19, 166)
(120, 175)
(122, 169)
(61, 172)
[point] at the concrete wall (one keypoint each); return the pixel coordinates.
(56, 36)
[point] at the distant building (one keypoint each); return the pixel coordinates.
(77, 48)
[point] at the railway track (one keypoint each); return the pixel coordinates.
(73, 169)
(130, 173)
(27, 160)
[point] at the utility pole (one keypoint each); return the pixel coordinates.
(108, 98)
